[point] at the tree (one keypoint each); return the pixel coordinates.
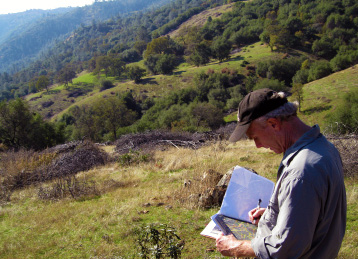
(113, 114)
(117, 66)
(201, 55)
(221, 49)
(42, 82)
(206, 114)
(66, 75)
(103, 62)
(297, 92)
(166, 64)
(135, 73)
(157, 46)
(19, 127)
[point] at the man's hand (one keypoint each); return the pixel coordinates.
(255, 215)
(230, 246)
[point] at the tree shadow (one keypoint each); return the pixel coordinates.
(316, 109)
(150, 81)
(237, 58)
(178, 72)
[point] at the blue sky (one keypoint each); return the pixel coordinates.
(15, 6)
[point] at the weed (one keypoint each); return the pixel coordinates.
(158, 241)
(69, 186)
(133, 157)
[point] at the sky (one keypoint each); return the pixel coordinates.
(16, 6)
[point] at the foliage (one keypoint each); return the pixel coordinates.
(318, 70)
(297, 92)
(19, 127)
(346, 114)
(158, 241)
(66, 75)
(201, 55)
(220, 49)
(135, 73)
(280, 69)
(273, 84)
(42, 83)
(106, 84)
(133, 157)
(101, 118)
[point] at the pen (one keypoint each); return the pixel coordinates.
(257, 208)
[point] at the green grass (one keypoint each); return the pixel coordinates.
(104, 226)
(322, 97)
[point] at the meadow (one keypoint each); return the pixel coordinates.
(136, 195)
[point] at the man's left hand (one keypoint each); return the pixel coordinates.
(230, 246)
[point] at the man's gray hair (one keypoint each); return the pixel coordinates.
(283, 112)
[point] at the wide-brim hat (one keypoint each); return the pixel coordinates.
(253, 106)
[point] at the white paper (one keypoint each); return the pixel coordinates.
(243, 193)
(211, 230)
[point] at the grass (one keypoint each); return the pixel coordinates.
(104, 226)
(322, 97)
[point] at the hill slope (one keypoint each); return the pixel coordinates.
(36, 35)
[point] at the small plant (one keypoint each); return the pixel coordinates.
(133, 157)
(158, 241)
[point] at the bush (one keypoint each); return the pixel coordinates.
(106, 84)
(133, 157)
(158, 241)
(346, 115)
(319, 70)
(273, 84)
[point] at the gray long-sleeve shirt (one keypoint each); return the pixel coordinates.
(306, 216)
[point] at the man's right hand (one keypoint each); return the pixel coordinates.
(255, 215)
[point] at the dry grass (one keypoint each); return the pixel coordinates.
(132, 196)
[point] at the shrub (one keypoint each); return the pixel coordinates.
(273, 84)
(69, 186)
(319, 70)
(106, 84)
(133, 157)
(158, 241)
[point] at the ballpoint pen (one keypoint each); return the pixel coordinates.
(257, 208)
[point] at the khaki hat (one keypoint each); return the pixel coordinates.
(253, 106)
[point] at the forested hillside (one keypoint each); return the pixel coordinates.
(278, 44)
(16, 23)
(24, 36)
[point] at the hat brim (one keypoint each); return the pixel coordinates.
(239, 132)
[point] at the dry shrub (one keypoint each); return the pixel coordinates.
(347, 145)
(16, 170)
(84, 157)
(26, 167)
(160, 139)
(69, 186)
(201, 192)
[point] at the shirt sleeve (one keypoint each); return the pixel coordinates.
(292, 217)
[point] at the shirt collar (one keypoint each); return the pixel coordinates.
(303, 141)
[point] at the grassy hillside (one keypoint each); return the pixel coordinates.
(201, 18)
(321, 97)
(152, 85)
(132, 196)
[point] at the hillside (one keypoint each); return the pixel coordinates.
(22, 42)
(152, 85)
(321, 97)
(200, 19)
(12, 25)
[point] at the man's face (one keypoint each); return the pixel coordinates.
(265, 135)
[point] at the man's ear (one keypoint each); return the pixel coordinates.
(274, 123)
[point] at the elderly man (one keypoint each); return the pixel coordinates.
(306, 215)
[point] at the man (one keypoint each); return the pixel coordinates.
(306, 215)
